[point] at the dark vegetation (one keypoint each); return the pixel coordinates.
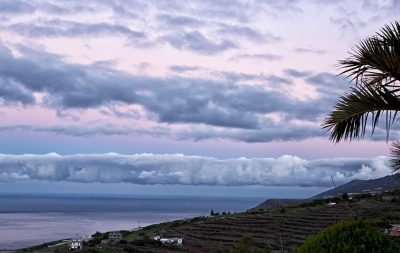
(350, 236)
(43, 246)
(248, 244)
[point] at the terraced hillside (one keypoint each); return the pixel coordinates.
(281, 229)
(278, 230)
(275, 229)
(274, 204)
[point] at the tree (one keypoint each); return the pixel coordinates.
(374, 66)
(246, 243)
(345, 196)
(349, 236)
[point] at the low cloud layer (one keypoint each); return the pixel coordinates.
(177, 169)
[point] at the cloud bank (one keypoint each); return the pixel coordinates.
(177, 169)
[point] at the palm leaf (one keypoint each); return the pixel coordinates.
(349, 119)
(374, 65)
(375, 61)
(395, 156)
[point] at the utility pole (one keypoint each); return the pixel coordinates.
(333, 182)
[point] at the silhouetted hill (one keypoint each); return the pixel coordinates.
(364, 186)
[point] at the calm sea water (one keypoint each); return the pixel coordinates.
(27, 220)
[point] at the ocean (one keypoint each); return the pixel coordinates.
(31, 219)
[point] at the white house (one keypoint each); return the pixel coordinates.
(156, 238)
(75, 244)
(176, 240)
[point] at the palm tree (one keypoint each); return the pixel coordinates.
(374, 66)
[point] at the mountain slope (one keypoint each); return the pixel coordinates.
(364, 186)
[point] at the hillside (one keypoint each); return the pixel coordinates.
(274, 204)
(356, 186)
(363, 186)
(286, 228)
(273, 229)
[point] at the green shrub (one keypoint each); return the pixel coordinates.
(349, 236)
(94, 241)
(125, 233)
(145, 241)
(303, 237)
(138, 243)
(132, 250)
(246, 243)
(106, 250)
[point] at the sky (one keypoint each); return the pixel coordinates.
(181, 96)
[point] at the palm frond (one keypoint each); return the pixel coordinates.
(391, 34)
(374, 66)
(395, 156)
(376, 60)
(349, 119)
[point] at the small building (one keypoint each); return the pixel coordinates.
(331, 203)
(75, 244)
(174, 240)
(155, 238)
(394, 230)
(115, 235)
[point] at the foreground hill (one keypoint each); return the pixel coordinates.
(285, 229)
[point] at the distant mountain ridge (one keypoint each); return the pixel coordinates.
(390, 182)
(363, 186)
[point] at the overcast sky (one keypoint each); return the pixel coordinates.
(181, 93)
